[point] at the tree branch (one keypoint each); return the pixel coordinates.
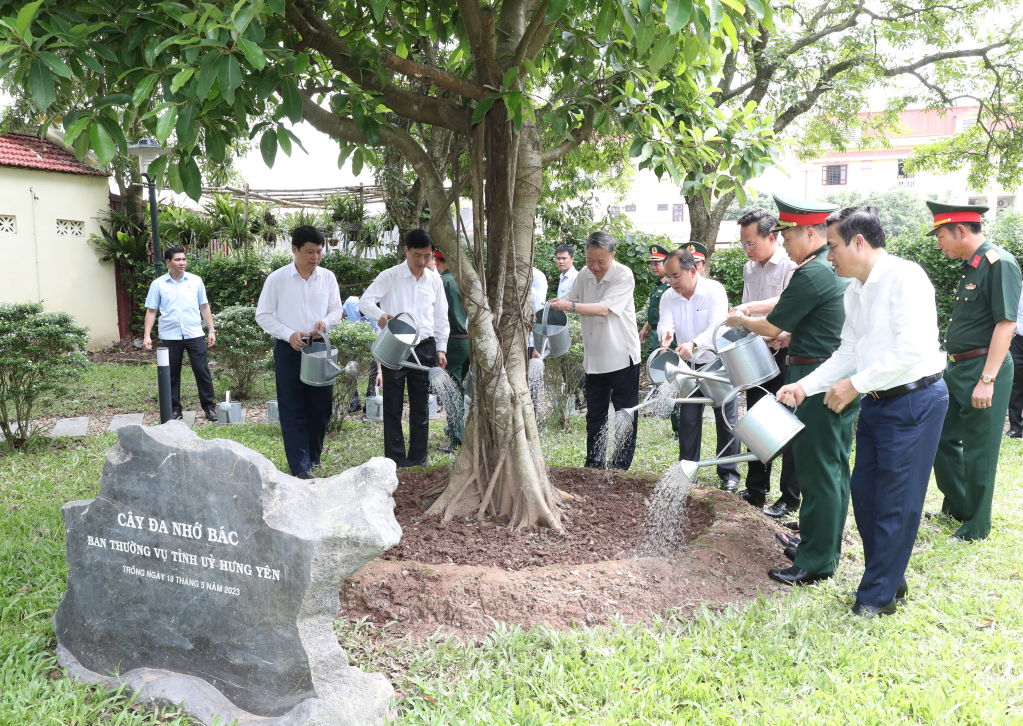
(481, 40)
(579, 136)
(936, 57)
(433, 75)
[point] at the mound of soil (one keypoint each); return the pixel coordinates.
(463, 576)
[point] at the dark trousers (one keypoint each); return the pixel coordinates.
(418, 405)
(621, 389)
(896, 441)
(690, 434)
(304, 410)
(1016, 397)
(196, 348)
(371, 384)
(758, 476)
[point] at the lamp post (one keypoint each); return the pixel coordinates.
(148, 151)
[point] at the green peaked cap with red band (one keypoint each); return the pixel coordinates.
(657, 253)
(794, 212)
(954, 213)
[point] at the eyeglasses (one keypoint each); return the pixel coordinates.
(675, 278)
(749, 246)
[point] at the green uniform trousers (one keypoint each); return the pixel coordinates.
(458, 367)
(821, 454)
(967, 459)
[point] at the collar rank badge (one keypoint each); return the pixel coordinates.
(975, 261)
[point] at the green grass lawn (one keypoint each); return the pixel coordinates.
(954, 655)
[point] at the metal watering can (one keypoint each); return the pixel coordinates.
(228, 411)
(551, 335)
(396, 341)
(748, 360)
(319, 362)
(374, 408)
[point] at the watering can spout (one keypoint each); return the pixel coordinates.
(672, 371)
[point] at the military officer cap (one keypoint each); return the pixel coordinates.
(437, 254)
(794, 212)
(699, 251)
(954, 213)
(657, 253)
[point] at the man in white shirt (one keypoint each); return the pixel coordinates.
(297, 301)
(690, 310)
(765, 276)
(180, 298)
(564, 260)
(890, 344)
(603, 296)
(410, 287)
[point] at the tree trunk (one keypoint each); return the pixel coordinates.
(500, 469)
(705, 224)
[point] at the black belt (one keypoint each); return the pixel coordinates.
(795, 360)
(458, 336)
(907, 388)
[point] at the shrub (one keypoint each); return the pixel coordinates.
(353, 341)
(726, 267)
(241, 348)
(39, 351)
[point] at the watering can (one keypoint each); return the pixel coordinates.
(374, 408)
(748, 360)
(551, 335)
(273, 412)
(319, 362)
(656, 374)
(229, 412)
(396, 341)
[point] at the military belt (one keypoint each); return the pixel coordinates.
(975, 353)
(907, 388)
(795, 360)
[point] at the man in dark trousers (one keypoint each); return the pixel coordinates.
(299, 300)
(180, 298)
(764, 277)
(1016, 397)
(410, 287)
(979, 369)
(812, 309)
(458, 348)
(890, 348)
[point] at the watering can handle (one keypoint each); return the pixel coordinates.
(414, 322)
(714, 337)
(543, 320)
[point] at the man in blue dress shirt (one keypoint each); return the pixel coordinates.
(180, 299)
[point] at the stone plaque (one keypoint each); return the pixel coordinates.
(202, 575)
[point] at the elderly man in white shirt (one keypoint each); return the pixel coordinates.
(603, 296)
(690, 309)
(410, 287)
(890, 345)
(297, 301)
(765, 277)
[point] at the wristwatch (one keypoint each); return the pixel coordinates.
(573, 307)
(987, 379)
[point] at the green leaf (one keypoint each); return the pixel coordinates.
(266, 86)
(716, 13)
(253, 54)
(113, 99)
(26, 15)
(726, 23)
(143, 89)
(662, 52)
(637, 147)
(40, 85)
(691, 50)
(481, 109)
(371, 127)
(91, 63)
(277, 6)
(157, 169)
(284, 141)
(102, 142)
(216, 147)
(357, 162)
(555, 8)
(174, 177)
(342, 157)
(645, 34)
(605, 20)
(180, 79)
(301, 62)
(229, 73)
(268, 147)
(185, 126)
(77, 127)
(291, 100)
(644, 7)
(735, 5)
(677, 14)
(509, 77)
(378, 7)
(115, 132)
(758, 8)
(56, 65)
(191, 178)
(531, 68)
(165, 124)
(599, 119)
(208, 70)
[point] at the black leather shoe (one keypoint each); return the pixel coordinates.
(1014, 434)
(871, 611)
(304, 475)
(787, 540)
(211, 413)
(779, 509)
(177, 416)
(446, 449)
(754, 499)
(901, 593)
(730, 485)
(793, 525)
(790, 552)
(797, 576)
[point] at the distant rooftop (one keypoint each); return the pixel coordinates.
(29, 152)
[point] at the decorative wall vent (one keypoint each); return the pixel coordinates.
(70, 228)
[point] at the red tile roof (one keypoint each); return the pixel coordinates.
(29, 152)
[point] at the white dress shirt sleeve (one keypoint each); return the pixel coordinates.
(265, 309)
(368, 303)
(666, 321)
(335, 308)
(718, 312)
(441, 326)
(841, 363)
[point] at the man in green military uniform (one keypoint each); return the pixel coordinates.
(979, 369)
(653, 308)
(811, 308)
(458, 349)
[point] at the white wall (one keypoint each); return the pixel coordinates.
(69, 275)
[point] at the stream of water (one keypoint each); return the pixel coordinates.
(443, 385)
(666, 516)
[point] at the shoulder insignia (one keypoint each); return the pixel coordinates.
(808, 260)
(975, 261)
(992, 256)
